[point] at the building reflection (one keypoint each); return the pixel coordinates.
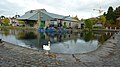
(35, 39)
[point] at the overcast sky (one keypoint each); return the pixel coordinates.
(81, 8)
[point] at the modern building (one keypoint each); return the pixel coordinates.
(47, 19)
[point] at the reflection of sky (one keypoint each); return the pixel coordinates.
(71, 47)
(12, 39)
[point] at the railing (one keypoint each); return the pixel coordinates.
(111, 30)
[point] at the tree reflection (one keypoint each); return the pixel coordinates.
(42, 36)
(88, 36)
(26, 35)
(6, 32)
(104, 37)
(21, 35)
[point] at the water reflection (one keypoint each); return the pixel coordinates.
(6, 32)
(70, 43)
(27, 35)
(70, 47)
(88, 36)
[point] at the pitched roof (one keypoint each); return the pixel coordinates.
(28, 16)
(33, 15)
(53, 15)
(59, 16)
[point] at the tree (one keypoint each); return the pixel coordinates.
(6, 22)
(76, 18)
(104, 14)
(110, 14)
(2, 17)
(93, 20)
(0, 22)
(102, 19)
(88, 24)
(117, 12)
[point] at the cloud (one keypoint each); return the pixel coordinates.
(82, 8)
(8, 8)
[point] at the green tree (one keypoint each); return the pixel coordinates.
(102, 19)
(93, 20)
(104, 14)
(111, 21)
(88, 24)
(6, 22)
(110, 14)
(117, 12)
(0, 22)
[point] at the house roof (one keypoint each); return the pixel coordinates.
(33, 15)
(53, 15)
(28, 16)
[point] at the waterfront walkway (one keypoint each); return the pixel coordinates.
(107, 30)
(107, 55)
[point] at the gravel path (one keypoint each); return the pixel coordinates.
(108, 55)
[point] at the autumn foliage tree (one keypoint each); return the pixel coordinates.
(76, 18)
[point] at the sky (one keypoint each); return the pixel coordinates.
(81, 8)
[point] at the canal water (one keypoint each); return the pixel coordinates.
(70, 43)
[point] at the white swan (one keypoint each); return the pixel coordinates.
(47, 47)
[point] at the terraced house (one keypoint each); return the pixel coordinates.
(47, 19)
